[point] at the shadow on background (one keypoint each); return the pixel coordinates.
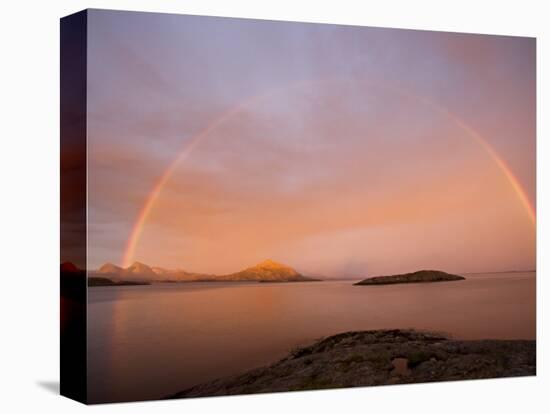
(51, 386)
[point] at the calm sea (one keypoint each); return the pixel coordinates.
(147, 342)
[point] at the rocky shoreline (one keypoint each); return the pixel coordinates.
(380, 357)
(104, 281)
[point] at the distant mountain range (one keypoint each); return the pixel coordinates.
(266, 271)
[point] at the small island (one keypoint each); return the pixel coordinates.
(421, 276)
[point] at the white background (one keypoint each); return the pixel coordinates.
(29, 195)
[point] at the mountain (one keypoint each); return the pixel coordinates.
(136, 272)
(178, 275)
(68, 267)
(421, 276)
(140, 272)
(109, 268)
(162, 271)
(267, 271)
(135, 269)
(140, 269)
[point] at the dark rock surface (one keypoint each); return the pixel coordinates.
(368, 358)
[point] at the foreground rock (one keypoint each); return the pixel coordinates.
(366, 358)
(422, 276)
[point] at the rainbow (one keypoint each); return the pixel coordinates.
(145, 210)
(502, 165)
(155, 192)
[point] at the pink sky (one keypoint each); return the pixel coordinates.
(341, 160)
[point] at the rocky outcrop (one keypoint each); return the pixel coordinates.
(367, 358)
(421, 276)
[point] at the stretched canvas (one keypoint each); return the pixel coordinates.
(253, 206)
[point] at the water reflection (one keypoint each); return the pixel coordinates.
(150, 341)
